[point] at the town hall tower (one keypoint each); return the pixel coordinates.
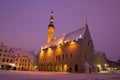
(51, 28)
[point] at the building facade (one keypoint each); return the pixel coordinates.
(16, 59)
(105, 64)
(72, 52)
(100, 60)
(24, 60)
(6, 58)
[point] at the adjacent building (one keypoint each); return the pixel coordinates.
(16, 59)
(100, 60)
(72, 52)
(6, 58)
(104, 64)
(24, 60)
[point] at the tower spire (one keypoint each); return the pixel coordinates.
(51, 28)
(51, 17)
(86, 21)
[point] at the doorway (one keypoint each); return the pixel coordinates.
(76, 67)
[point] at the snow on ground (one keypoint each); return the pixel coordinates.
(31, 75)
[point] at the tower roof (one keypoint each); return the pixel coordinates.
(51, 20)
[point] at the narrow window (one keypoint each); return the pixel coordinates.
(56, 58)
(71, 55)
(3, 60)
(63, 57)
(0, 50)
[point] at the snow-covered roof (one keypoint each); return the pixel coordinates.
(17, 51)
(66, 38)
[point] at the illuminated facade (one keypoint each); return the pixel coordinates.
(100, 60)
(16, 59)
(72, 52)
(24, 60)
(6, 58)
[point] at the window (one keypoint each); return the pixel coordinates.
(56, 58)
(89, 42)
(16, 59)
(63, 57)
(71, 55)
(3, 60)
(4, 55)
(11, 60)
(59, 57)
(5, 50)
(7, 60)
(0, 50)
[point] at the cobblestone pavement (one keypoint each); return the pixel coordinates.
(31, 75)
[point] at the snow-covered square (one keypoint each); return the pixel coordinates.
(31, 75)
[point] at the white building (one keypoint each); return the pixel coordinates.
(16, 59)
(6, 58)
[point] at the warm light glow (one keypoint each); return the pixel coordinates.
(65, 68)
(105, 64)
(73, 46)
(60, 42)
(49, 52)
(99, 66)
(49, 49)
(58, 46)
(58, 49)
(42, 51)
(12, 64)
(72, 42)
(41, 54)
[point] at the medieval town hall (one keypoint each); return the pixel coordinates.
(72, 52)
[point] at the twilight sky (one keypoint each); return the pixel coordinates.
(24, 23)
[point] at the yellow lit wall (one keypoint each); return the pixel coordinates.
(50, 33)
